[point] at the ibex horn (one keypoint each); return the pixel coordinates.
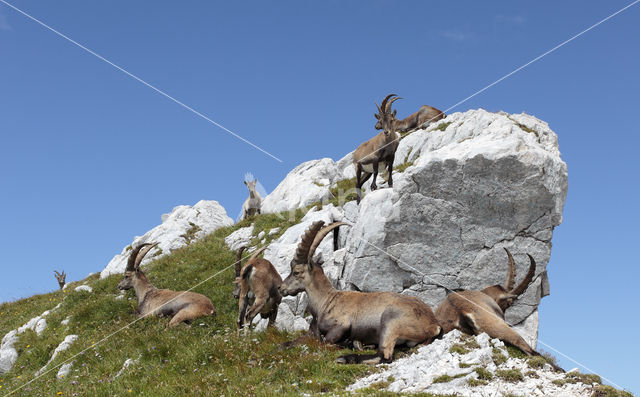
(139, 252)
(320, 236)
(238, 264)
(383, 105)
(391, 102)
(307, 239)
(527, 279)
(511, 273)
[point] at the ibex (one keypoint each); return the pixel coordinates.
(382, 318)
(181, 305)
(379, 150)
(420, 119)
(474, 312)
(253, 203)
(61, 278)
(256, 285)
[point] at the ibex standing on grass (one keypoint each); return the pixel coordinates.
(61, 278)
(181, 305)
(474, 312)
(257, 284)
(379, 150)
(382, 318)
(252, 204)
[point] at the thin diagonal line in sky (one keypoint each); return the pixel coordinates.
(159, 91)
(521, 67)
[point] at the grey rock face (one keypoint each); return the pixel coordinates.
(482, 184)
(488, 181)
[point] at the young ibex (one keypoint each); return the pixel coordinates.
(420, 119)
(61, 278)
(182, 305)
(256, 285)
(253, 203)
(382, 318)
(474, 312)
(379, 150)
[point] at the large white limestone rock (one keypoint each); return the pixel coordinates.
(205, 217)
(306, 184)
(487, 181)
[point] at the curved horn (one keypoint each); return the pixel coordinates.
(307, 240)
(255, 254)
(527, 279)
(142, 252)
(391, 102)
(238, 264)
(320, 236)
(132, 257)
(511, 273)
(383, 105)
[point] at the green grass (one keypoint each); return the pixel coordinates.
(510, 375)
(458, 348)
(206, 357)
(402, 167)
(442, 126)
(536, 361)
(498, 357)
(476, 382)
(515, 352)
(446, 378)
(608, 391)
(484, 374)
(190, 234)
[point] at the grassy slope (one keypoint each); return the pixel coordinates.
(207, 357)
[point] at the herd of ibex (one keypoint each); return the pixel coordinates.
(385, 319)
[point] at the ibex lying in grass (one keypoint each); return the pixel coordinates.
(252, 204)
(61, 278)
(183, 306)
(420, 119)
(474, 312)
(256, 285)
(382, 318)
(379, 150)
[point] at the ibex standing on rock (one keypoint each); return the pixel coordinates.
(379, 150)
(382, 318)
(420, 119)
(181, 305)
(252, 204)
(474, 312)
(61, 278)
(257, 285)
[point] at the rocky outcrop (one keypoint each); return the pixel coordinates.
(183, 225)
(485, 182)
(472, 184)
(8, 353)
(473, 366)
(308, 183)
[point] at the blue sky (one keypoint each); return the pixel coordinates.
(90, 157)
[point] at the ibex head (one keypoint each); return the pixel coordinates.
(505, 294)
(61, 278)
(385, 117)
(252, 187)
(133, 265)
(302, 265)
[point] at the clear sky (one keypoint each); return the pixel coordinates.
(89, 157)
